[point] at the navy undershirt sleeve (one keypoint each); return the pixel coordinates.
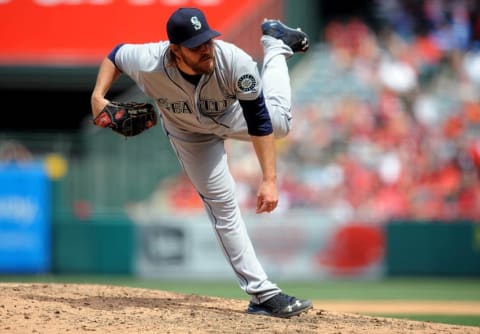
(112, 53)
(257, 117)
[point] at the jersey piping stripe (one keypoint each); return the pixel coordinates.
(209, 116)
(168, 74)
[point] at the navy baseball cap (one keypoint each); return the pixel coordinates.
(188, 27)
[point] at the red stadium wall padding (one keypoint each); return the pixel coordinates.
(83, 31)
(353, 248)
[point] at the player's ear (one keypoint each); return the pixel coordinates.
(175, 49)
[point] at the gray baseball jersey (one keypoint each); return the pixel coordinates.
(184, 107)
(198, 118)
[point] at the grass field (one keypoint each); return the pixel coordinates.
(401, 289)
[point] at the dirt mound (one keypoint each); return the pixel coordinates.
(77, 308)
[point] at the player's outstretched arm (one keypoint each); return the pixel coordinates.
(107, 75)
(267, 196)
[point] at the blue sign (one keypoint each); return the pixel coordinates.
(25, 218)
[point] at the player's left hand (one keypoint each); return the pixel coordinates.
(98, 104)
(267, 197)
(127, 118)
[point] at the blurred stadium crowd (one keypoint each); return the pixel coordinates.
(386, 120)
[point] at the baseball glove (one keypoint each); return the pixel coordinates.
(127, 118)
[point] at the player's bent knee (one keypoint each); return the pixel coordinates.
(281, 121)
(281, 132)
(281, 127)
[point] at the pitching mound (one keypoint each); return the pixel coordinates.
(77, 308)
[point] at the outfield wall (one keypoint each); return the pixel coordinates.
(432, 248)
(300, 245)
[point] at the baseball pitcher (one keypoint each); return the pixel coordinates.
(207, 91)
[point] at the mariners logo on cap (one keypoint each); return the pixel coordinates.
(197, 25)
(247, 83)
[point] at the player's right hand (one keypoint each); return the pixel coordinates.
(267, 197)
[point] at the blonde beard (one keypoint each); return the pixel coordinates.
(181, 63)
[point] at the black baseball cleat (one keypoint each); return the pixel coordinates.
(281, 306)
(296, 39)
